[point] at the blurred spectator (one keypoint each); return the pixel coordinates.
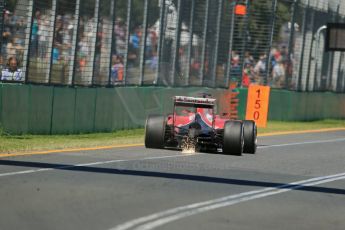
(151, 43)
(117, 70)
(248, 59)
(278, 74)
(14, 49)
(133, 47)
(284, 54)
(83, 52)
(13, 22)
(120, 35)
(260, 69)
(34, 34)
(43, 37)
(59, 34)
(11, 48)
(11, 72)
(245, 78)
(6, 34)
(135, 38)
(154, 60)
(248, 75)
(248, 70)
(56, 55)
(275, 56)
(1, 63)
(20, 31)
(235, 65)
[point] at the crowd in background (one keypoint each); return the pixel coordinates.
(88, 41)
(12, 47)
(93, 39)
(116, 43)
(255, 71)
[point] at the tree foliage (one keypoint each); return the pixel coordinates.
(259, 18)
(10, 4)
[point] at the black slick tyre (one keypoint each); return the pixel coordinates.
(233, 138)
(250, 136)
(155, 131)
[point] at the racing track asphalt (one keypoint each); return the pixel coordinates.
(294, 181)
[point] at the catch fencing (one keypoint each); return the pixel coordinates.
(177, 43)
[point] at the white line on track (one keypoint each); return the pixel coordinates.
(160, 218)
(304, 143)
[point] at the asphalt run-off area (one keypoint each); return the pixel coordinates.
(294, 181)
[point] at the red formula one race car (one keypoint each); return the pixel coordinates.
(194, 125)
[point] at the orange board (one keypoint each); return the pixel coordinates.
(257, 104)
(240, 9)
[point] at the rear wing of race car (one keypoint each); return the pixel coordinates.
(196, 102)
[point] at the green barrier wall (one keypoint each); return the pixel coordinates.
(56, 110)
(0, 105)
(63, 110)
(298, 106)
(40, 109)
(15, 108)
(104, 110)
(85, 110)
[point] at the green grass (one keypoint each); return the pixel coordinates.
(279, 126)
(21, 143)
(26, 143)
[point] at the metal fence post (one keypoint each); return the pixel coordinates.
(129, 12)
(291, 42)
(231, 37)
(190, 45)
(245, 39)
(342, 90)
(269, 57)
(28, 35)
(311, 48)
(215, 60)
(338, 17)
(330, 71)
(75, 42)
(175, 64)
(330, 80)
(317, 43)
(96, 18)
(304, 30)
(113, 40)
(339, 83)
(143, 42)
(94, 44)
(2, 8)
(51, 40)
(160, 39)
(204, 43)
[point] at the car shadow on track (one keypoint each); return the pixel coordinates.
(174, 176)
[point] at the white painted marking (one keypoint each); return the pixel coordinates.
(303, 143)
(158, 219)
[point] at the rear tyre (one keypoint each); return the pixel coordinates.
(155, 131)
(233, 138)
(250, 136)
